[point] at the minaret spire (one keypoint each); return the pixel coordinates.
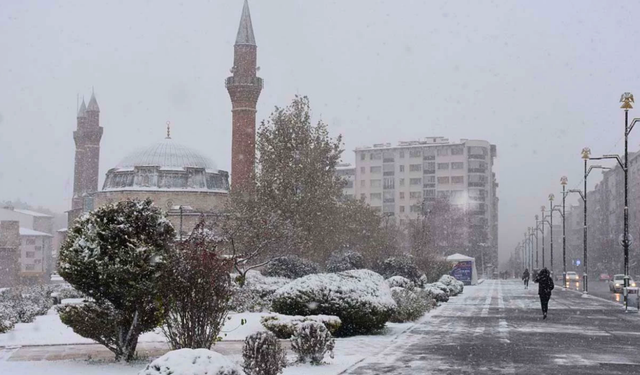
(245, 30)
(82, 112)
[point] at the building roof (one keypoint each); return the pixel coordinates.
(245, 30)
(167, 154)
(31, 232)
(31, 213)
(93, 104)
(83, 109)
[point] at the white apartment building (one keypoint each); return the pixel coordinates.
(398, 179)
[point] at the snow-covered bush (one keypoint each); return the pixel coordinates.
(410, 306)
(291, 267)
(400, 282)
(439, 293)
(192, 362)
(66, 291)
(256, 293)
(116, 255)
(284, 326)
(403, 265)
(263, 354)
(422, 281)
(360, 298)
(8, 318)
(311, 342)
(455, 287)
(345, 260)
(26, 302)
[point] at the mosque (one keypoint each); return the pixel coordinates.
(179, 179)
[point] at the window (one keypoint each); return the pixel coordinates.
(415, 208)
(30, 254)
(443, 166)
(31, 241)
(37, 261)
(415, 168)
(402, 182)
(429, 179)
(389, 169)
(29, 267)
(389, 209)
(415, 153)
(377, 169)
(388, 197)
(349, 184)
(389, 183)
(363, 156)
(457, 151)
(443, 180)
(429, 193)
(415, 195)
(401, 154)
(38, 248)
(363, 170)
(443, 194)
(362, 183)
(402, 195)
(457, 165)
(402, 168)
(457, 179)
(443, 152)
(401, 209)
(376, 156)
(376, 183)
(388, 157)
(415, 181)
(375, 196)
(430, 166)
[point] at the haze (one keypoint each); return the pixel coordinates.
(538, 79)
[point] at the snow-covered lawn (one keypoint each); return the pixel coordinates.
(49, 330)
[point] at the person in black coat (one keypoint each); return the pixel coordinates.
(525, 278)
(545, 286)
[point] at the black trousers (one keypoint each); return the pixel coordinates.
(544, 302)
(526, 282)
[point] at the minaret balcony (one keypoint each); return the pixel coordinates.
(244, 81)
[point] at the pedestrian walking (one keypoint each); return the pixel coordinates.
(525, 278)
(545, 286)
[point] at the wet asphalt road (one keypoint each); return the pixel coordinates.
(497, 328)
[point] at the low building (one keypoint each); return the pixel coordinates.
(25, 254)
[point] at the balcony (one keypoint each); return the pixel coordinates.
(389, 173)
(477, 184)
(477, 157)
(388, 160)
(429, 186)
(245, 81)
(477, 170)
(429, 157)
(388, 200)
(429, 171)
(477, 198)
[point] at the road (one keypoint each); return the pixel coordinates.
(497, 328)
(598, 289)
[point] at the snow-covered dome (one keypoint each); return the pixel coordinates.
(167, 155)
(166, 166)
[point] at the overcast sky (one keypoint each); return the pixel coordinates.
(539, 79)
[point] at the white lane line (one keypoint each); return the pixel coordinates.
(487, 302)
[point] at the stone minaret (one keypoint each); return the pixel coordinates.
(87, 138)
(244, 89)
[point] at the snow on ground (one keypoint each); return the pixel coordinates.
(49, 330)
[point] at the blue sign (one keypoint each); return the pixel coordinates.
(578, 262)
(462, 271)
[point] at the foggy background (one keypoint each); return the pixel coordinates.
(538, 79)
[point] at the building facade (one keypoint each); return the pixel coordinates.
(348, 173)
(402, 180)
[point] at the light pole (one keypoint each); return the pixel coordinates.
(531, 234)
(537, 229)
(551, 197)
(585, 155)
(626, 99)
(542, 208)
(563, 181)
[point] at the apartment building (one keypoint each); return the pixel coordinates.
(399, 179)
(348, 172)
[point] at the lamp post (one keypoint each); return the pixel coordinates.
(542, 208)
(536, 231)
(551, 198)
(563, 181)
(531, 234)
(585, 155)
(626, 99)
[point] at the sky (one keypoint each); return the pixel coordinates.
(539, 79)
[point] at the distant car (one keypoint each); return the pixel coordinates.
(605, 277)
(572, 276)
(617, 283)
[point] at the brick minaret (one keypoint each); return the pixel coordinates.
(87, 138)
(244, 89)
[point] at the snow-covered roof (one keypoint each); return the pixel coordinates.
(31, 232)
(31, 213)
(245, 30)
(167, 155)
(459, 258)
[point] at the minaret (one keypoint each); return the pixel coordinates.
(87, 138)
(244, 89)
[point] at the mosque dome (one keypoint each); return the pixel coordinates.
(166, 165)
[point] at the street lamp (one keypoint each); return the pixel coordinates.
(531, 234)
(626, 99)
(583, 195)
(536, 231)
(563, 181)
(551, 198)
(542, 208)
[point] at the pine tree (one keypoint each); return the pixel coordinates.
(115, 256)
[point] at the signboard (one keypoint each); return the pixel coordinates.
(462, 271)
(578, 262)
